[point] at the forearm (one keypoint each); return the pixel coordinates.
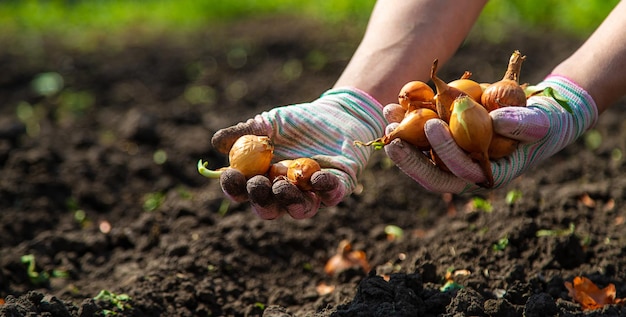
(402, 40)
(599, 65)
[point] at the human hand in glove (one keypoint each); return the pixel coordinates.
(323, 130)
(543, 128)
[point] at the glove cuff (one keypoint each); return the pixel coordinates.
(325, 130)
(582, 104)
(360, 104)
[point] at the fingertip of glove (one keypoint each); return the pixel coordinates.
(267, 213)
(525, 124)
(397, 150)
(437, 131)
(307, 209)
(329, 187)
(259, 186)
(299, 204)
(393, 112)
(233, 185)
(392, 126)
(324, 181)
(224, 139)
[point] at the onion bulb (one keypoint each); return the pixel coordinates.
(501, 146)
(416, 94)
(250, 154)
(472, 129)
(278, 169)
(410, 129)
(468, 86)
(300, 170)
(445, 94)
(507, 91)
(346, 259)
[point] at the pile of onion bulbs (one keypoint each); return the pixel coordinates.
(252, 155)
(464, 105)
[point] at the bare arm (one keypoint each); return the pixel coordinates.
(401, 41)
(599, 65)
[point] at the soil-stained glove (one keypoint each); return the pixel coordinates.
(324, 130)
(543, 128)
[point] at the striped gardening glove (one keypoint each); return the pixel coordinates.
(543, 128)
(324, 130)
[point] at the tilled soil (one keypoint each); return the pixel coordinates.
(99, 185)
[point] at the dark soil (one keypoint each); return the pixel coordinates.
(85, 157)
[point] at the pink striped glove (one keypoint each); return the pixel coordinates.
(543, 127)
(324, 130)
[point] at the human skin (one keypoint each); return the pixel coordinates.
(599, 65)
(404, 37)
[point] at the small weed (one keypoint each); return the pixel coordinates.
(43, 277)
(118, 300)
(394, 232)
(593, 139)
(184, 192)
(223, 209)
(482, 204)
(513, 196)
(556, 232)
(501, 244)
(153, 201)
(37, 278)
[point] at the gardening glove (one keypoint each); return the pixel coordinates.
(323, 130)
(543, 128)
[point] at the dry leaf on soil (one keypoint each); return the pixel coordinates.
(346, 259)
(590, 296)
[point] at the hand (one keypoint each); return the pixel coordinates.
(324, 130)
(543, 128)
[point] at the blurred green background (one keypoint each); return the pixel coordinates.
(75, 21)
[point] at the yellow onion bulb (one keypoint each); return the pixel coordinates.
(300, 171)
(251, 155)
(468, 86)
(411, 128)
(416, 94)
(501, 146)
(278, 169)
(506, 92)
(472, 129)
(471, 125)
(445, 96)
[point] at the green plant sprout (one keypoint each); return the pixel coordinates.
(450, 284)
(118, 300)
(513, 196)
(153, 201)
(593, 139)
(184, 192)
(482, 204)
(37, 278)
(394, 232)
(501, 244)
(556, 232)
(223, 209)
